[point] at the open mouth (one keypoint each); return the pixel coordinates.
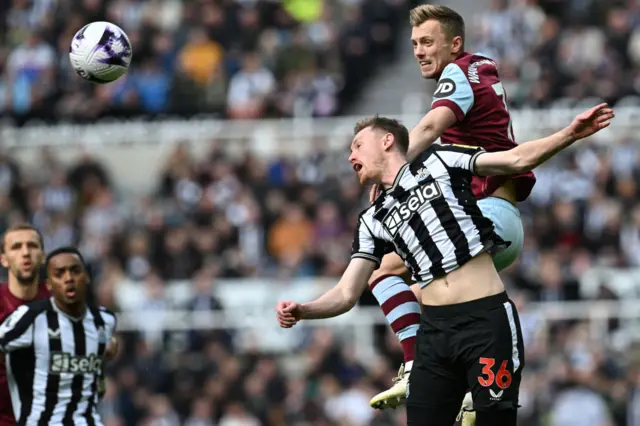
(70, 292)
(357, 167)
(424, 64)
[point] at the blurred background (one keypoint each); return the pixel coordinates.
(212, 181)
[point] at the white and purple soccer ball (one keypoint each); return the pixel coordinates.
(100, 52)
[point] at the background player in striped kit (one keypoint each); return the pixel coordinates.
(22, 255)
(55, 348)
(469, 324)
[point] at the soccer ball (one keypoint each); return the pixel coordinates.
(100, 52)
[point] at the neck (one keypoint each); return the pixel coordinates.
(23, 291)
(76, 310)
(394, 165)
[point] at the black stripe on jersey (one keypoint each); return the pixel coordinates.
(23, 368)
(355, 247)
(102, 346)
(428, 245)
(20, 326)
(80, 343)
(451, 226)
(53, 380)
(461, 185)
(406, 254)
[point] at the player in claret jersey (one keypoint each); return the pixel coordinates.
(21, 252)
(469, 108)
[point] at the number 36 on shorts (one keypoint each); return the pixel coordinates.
(501, 377)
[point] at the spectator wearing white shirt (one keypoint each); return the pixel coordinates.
(250, 89)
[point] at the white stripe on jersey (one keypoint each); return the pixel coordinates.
(429, 216)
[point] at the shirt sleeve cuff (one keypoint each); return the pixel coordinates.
(366, 256)
(451, 105)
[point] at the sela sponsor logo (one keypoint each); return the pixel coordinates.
(495, 396)
(472, 72)
(445, 87)
(403, 211)
(62, 362)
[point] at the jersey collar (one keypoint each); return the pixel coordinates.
(398, 178)
(60, 311)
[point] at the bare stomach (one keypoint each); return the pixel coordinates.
(476, 279)
(506, 192)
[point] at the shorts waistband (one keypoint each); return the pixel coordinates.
(458, 309)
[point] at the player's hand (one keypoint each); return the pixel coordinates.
(288, 314)
(591, 121)
(374, 193)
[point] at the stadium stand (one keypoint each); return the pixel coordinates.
(207, 223)
(558, 52)
(215, 218)
(240, 59)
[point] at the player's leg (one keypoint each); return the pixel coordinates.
(489, 342)
(436, 386)
(402, 311)
(508, 225)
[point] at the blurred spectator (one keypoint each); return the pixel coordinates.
(561, 52)
(190, 57)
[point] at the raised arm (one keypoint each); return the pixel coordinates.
(530, 155)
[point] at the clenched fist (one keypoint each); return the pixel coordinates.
(288, 314)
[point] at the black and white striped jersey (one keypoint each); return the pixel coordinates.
(429, 216)
(54, 362)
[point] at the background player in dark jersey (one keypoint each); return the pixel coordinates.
(22, 254)
(469, 108)
(469, 332)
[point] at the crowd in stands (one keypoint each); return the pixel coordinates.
(559, 51)
(236, 58)
(213, 217)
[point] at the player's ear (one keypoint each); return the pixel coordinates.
(4, 261)
(388, 141)
(48, 284)
(457, 44)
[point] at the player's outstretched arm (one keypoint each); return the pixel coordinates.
(432, 125)
(340, 299)
(530, 155)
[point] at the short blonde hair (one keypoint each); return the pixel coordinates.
(451, 21)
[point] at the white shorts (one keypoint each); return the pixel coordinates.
(508, 225)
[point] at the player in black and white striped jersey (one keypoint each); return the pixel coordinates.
(55, 349)
(438, 239)
(469, 334)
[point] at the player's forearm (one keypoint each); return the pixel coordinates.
(331, 304)
(421, 138)
(429, 129)
(531, 154)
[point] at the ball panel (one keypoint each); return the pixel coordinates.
(100, 52)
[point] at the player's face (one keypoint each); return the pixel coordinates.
(67, 279)
(432, 48)
(22, 255)
(367, 155)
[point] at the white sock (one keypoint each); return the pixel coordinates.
(407, 366)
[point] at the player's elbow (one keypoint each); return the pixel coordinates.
(350, 300)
